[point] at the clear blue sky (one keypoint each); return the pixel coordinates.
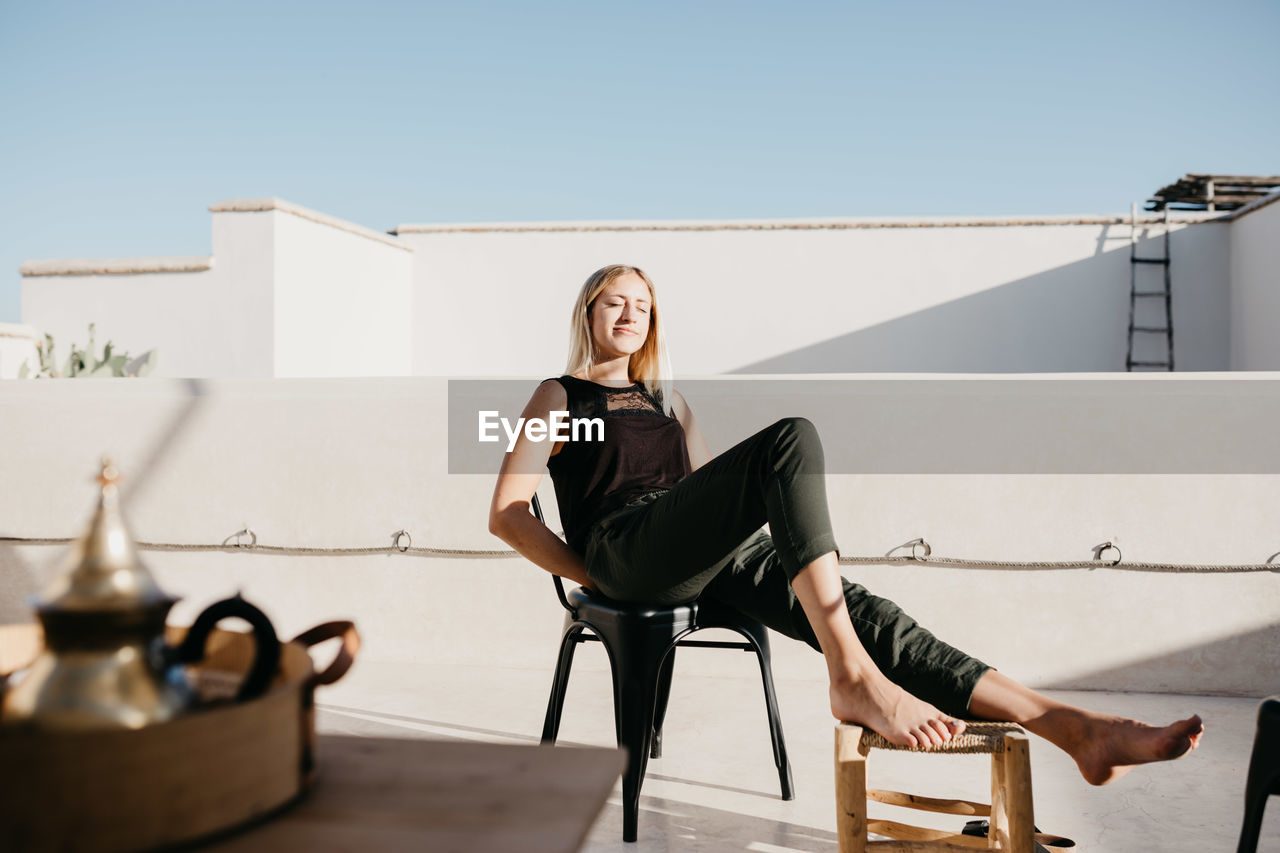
(121, 122)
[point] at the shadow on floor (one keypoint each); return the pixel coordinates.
(679, 826)
(336, 719)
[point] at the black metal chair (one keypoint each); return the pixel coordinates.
(1264, 773)
(641, 641)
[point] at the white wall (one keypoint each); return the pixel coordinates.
(925, 295)
(342, 302)
(242, 316)
(17, 344)
(181, 315)
(287, 292)
(372, 460)
(293, 292)
(1255, 289)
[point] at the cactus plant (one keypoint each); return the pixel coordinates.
(86, 363)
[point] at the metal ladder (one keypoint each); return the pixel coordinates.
(1134, 294)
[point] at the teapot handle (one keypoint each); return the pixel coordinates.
(266, 659)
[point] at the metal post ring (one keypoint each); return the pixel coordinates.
(245, 531)
(1107, 546)
(913, 545)
(408, 541)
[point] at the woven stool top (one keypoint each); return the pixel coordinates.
(977, 737)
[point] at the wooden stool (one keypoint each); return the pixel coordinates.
(1011, 825)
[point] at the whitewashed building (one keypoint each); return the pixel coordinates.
(286, 292)
(290, 292)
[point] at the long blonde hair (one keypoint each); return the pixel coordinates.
(649, 364)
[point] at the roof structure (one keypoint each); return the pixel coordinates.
(1213, 192)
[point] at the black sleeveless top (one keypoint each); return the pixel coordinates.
(643, 450)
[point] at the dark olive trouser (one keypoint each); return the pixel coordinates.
(702, 539)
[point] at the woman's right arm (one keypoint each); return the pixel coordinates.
(510, 518)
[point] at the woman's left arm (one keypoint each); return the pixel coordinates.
(699, 455)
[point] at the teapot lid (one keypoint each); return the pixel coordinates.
(101, 571)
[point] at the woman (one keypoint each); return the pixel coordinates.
(649, 515)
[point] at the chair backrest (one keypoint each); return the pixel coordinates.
(564, 600)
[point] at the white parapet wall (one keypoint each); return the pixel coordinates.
(18, 345)
(348, 463)
(1048, 294)
(287, 292)
(1255, 286)
(340, 295)
(292, 292)
(170, 305)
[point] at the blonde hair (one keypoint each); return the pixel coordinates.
(649, 364)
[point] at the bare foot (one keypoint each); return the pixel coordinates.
(1112, 746)
(884, 707)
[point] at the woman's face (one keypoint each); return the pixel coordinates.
(620, 316)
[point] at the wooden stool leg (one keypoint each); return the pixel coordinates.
(1012, 820)
(998, 821)
(851, 789)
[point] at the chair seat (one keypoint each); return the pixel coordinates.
(980, 737)
(595, 604)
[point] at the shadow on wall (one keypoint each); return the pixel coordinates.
(1212, 659)
(1068, 319)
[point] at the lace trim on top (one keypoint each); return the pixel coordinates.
(592, 400)
(630, 401)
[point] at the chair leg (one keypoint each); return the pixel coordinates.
(1254, 804)
(851, 789)
(1264, 774)
(759, 637)
(560, 683)
(635, 677)
(660, 708)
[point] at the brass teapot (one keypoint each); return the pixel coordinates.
(105, 664)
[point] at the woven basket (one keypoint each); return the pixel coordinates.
(200, 775)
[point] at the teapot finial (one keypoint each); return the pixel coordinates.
(102, 569)
(108, 476)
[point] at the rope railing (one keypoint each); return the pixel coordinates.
(921, 555)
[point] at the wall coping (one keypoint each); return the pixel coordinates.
(847, 223)
(348, 387)
(114, 266)
(254, 205)
(1255, 205)
(19, 331)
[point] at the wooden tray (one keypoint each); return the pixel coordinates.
(200, 775)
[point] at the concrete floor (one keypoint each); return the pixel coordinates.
(716, 787)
